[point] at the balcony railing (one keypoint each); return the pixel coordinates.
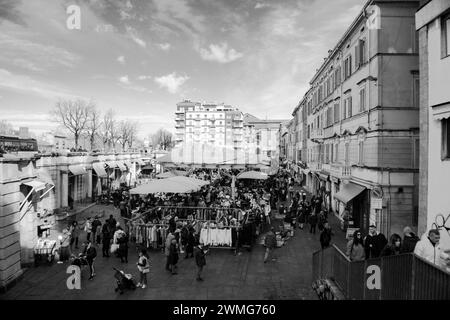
(315, 166)
(402, 277)
(340, 170)
(317, 134)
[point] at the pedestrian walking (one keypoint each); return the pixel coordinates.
(313, 223)
(374, 242)
(325, 236)
(88, 228)
(409, 240)
(112, 223)
(90, 253)
(106, 240)
(394, 246)
(96, 229)
(123, 248)
(429, 248)
(169, 239)
(75, 233)
(65, 239)
(355, 247)
(190, 243)
(270, 242)
(143, 265)
(200, 260)
(173, 256)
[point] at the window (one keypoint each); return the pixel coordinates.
(360, 53)
(347, 154)
(336, 113)
(416, 91)
(445, 38)
(362, 100)
(348, 67)
(349, 107)
(360, 152)
(416, 153)
(344, 111)
(445, 154)
(336, 146)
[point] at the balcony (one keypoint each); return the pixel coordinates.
(341, 171)
(315, 166)
(317, 134)
(181, 111)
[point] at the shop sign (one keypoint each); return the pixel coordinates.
(349, 234)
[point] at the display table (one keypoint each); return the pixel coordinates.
(44, 250)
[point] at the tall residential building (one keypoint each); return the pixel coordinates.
(433, 25)
(209, 123)
(360, 117)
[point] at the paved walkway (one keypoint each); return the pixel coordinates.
(227, 276)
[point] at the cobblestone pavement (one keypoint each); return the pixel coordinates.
(227, 276)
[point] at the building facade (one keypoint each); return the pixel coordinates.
(209, 123)
(360, 122)
(433, 25)
(36, 191)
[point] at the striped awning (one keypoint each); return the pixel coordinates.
(121, 166)
(77, 169)
(99, 168)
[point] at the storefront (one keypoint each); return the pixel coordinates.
(355, 201)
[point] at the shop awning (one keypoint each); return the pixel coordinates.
(441, 112)
(121, 166)
(111, 164)
(99, 168)
(348, 192)
(140, 161)
(35, 184)
(77, 169)
(128, 164)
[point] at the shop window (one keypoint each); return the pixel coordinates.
(445, 154)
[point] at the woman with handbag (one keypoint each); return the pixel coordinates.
(144, 267)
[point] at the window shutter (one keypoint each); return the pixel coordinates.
(350, 107)
(357, 57)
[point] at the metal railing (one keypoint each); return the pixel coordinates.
(401, 277)
(340, 171)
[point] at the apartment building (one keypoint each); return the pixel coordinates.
(209, 123)
(433, 25)
(262, 135)
(361, 120)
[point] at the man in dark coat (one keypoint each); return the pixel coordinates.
(112, 223)
(200, 260)
(90, 253)
(374, 243)
(409, 241)
(106, 240)
(190, 243)
(95, 224)
(325, 236)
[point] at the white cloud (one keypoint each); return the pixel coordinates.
(33, 55)
(132, 33)
(172, 82)
(121, 59)
(124, 79)
(220, 53)
(260, 5)
(164, 46)
(26, 84)
(144, 77)
(104, 28)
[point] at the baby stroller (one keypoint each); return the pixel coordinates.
(124, 281)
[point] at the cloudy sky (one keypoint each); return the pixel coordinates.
(141, 57)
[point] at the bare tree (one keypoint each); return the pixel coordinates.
(162, 139)
(6, 128)
(109, 130)
(128, 133)
(73, 115)
(93, 125)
